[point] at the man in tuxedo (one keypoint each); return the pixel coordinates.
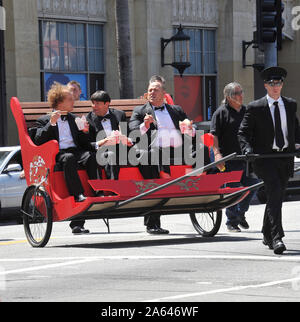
(105, 130)
(270, 126)
(161, 126)
(74, 147)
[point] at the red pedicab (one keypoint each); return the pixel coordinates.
(46, 200)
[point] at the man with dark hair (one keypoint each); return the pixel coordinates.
(105, 131)
(270, 126)
(158, 78)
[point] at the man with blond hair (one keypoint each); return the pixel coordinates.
(74, 147)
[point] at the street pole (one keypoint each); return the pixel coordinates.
(270, 54)
(3, 110)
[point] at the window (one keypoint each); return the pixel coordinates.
(72, 51)
(96, 61)
(196, 91)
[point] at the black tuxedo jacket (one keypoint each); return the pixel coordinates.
(116, 117)
(137, 118)
(257, 130)
(46, 132)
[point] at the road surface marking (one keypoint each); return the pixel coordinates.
(38, 268)
(83, 260)
(224, 290)
(284, 258)
(12, 242)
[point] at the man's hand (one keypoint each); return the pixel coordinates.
(186, 127)
(148, 119)
(86, 127)
(54, 116)
(110, 140)
(220, 166)
(124, 140)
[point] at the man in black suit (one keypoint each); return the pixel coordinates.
(161, 127)
(106, 126)
(270, 126)
(74, 147)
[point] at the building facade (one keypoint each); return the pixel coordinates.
(60, 40)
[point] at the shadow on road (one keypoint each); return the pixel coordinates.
(186, 239)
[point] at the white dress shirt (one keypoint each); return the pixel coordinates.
(282, 117)
(167, 134)
(106, 123)
(65, 136)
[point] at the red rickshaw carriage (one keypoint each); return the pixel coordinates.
(188, 191)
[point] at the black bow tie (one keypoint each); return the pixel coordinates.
(64, 117)
(159, 108)
(104, 118)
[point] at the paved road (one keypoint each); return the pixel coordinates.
(132, 266)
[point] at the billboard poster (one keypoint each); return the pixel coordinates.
(50, 78)
(188, 94)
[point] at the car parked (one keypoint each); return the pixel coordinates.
(12, 184)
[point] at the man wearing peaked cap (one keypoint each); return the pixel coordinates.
(273, 73)
(270, 126)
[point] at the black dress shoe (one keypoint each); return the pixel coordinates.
(268, 242)
(80, 198)
(157, 231)
(233, 228)
(278, 247)
(244, 224)
(80, 230)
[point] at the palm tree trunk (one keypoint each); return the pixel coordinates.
(124, 49)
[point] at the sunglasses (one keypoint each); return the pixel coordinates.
(238, 93)
(273, 84)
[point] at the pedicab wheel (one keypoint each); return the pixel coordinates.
(37, 216)
(207, 224)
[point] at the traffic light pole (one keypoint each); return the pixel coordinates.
(3, 113)
(270, 54)
(269, 24)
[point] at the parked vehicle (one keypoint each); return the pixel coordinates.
(12, 185)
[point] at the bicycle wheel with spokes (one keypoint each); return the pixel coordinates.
(207, 224)
(37, 216)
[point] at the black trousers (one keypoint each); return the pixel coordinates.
(69, 160)
(275, 174)
(153, 171)
(109, 160)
